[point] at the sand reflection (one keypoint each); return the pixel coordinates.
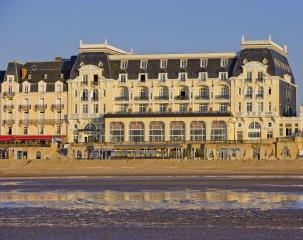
(188, 199)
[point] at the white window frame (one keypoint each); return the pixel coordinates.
(203, 62)
(182, 74)
(205, 76)
(121, 76)
(183, 63)
(223, 76)
(224, 62)
(162, 77)
(123, 64)
(163, 63)
(143, 64)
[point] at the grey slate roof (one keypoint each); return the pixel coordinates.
(259, 55)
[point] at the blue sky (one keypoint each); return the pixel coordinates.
(40, 30)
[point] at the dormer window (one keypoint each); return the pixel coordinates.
(143, 64)
(142, 77)
(61, 75)
(44, 76)
(58, 88)
(203, 63)
(183, 77)
(34, 67)
(223, 76)
(10, 79)
(123, 77)
(26, 89)
(29, 76)
(123, 64)
(183, 63)
(163, 63)
(162, 77)
(203, 76)
(224, 62)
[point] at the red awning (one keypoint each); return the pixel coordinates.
(27, 138)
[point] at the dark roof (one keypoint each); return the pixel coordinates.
(2, 75)
(170, 114)
(259, 55)
(92, 59)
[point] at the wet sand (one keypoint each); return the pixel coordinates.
(146, 167)
(209, 207)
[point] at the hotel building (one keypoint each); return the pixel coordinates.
(115, 101)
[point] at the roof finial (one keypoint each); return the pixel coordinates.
(131, 51)
(105, 41)
(81, 42)
(243, 38)
(269, 37)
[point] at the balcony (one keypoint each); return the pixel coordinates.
(47, 121)
(202, 97)
(24, 122)
(222, 97)
(94, 83)
(141, 98)
(95, 99)
(84, 83)
(40, 107)
(8, 94)
(24, 107)
(182, 98)
(260, 96)
(84, 99)
(248, 95)
(8, 122)
(122, 98)
(260, 79)
(8, 107)
(57, 107)
(249, 80)
(161, 98)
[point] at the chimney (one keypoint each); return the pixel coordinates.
(23, 72)
(58, 59)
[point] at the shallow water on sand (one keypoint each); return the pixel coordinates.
(214, 207)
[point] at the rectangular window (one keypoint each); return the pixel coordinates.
(26, 88)
(183, 77)
(239, 107)
(239, 135)
(249, 77)
(142, 108)
(163, 64)
(203, 63)
(162, 108)
(123, 64)
(142, 77)
(269, 91)
(76, 108)
(143, 64)
(203, 108)
(123, 108)
(123, 77)
(260, 77)
(223, 107)
(96, 108)
(269, 134)
(96, 78)
(223, 76)
(224, 62)
(239, 91)
(85, 79)
(249, 107)
(183, 63)
(162, 77)
(203, 76)
(41, 130)
(85, 109)
(25, 130)
(183, 107)
(260, 107)
(58, 130)
(45, 76)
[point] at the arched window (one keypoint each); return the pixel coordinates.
(116, 132)
(197, 131)
(224, 92)
(124, 93)
(90, 127)
(249, 92)
(218, 131)
(163, 93)
(143, 93)
(177, 131)
(183, 93)
(156, 131)
(85, 95)
(203, 93)
(254, 131)
(136, 132)
(95, 95)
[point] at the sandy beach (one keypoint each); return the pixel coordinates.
(148, 167)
